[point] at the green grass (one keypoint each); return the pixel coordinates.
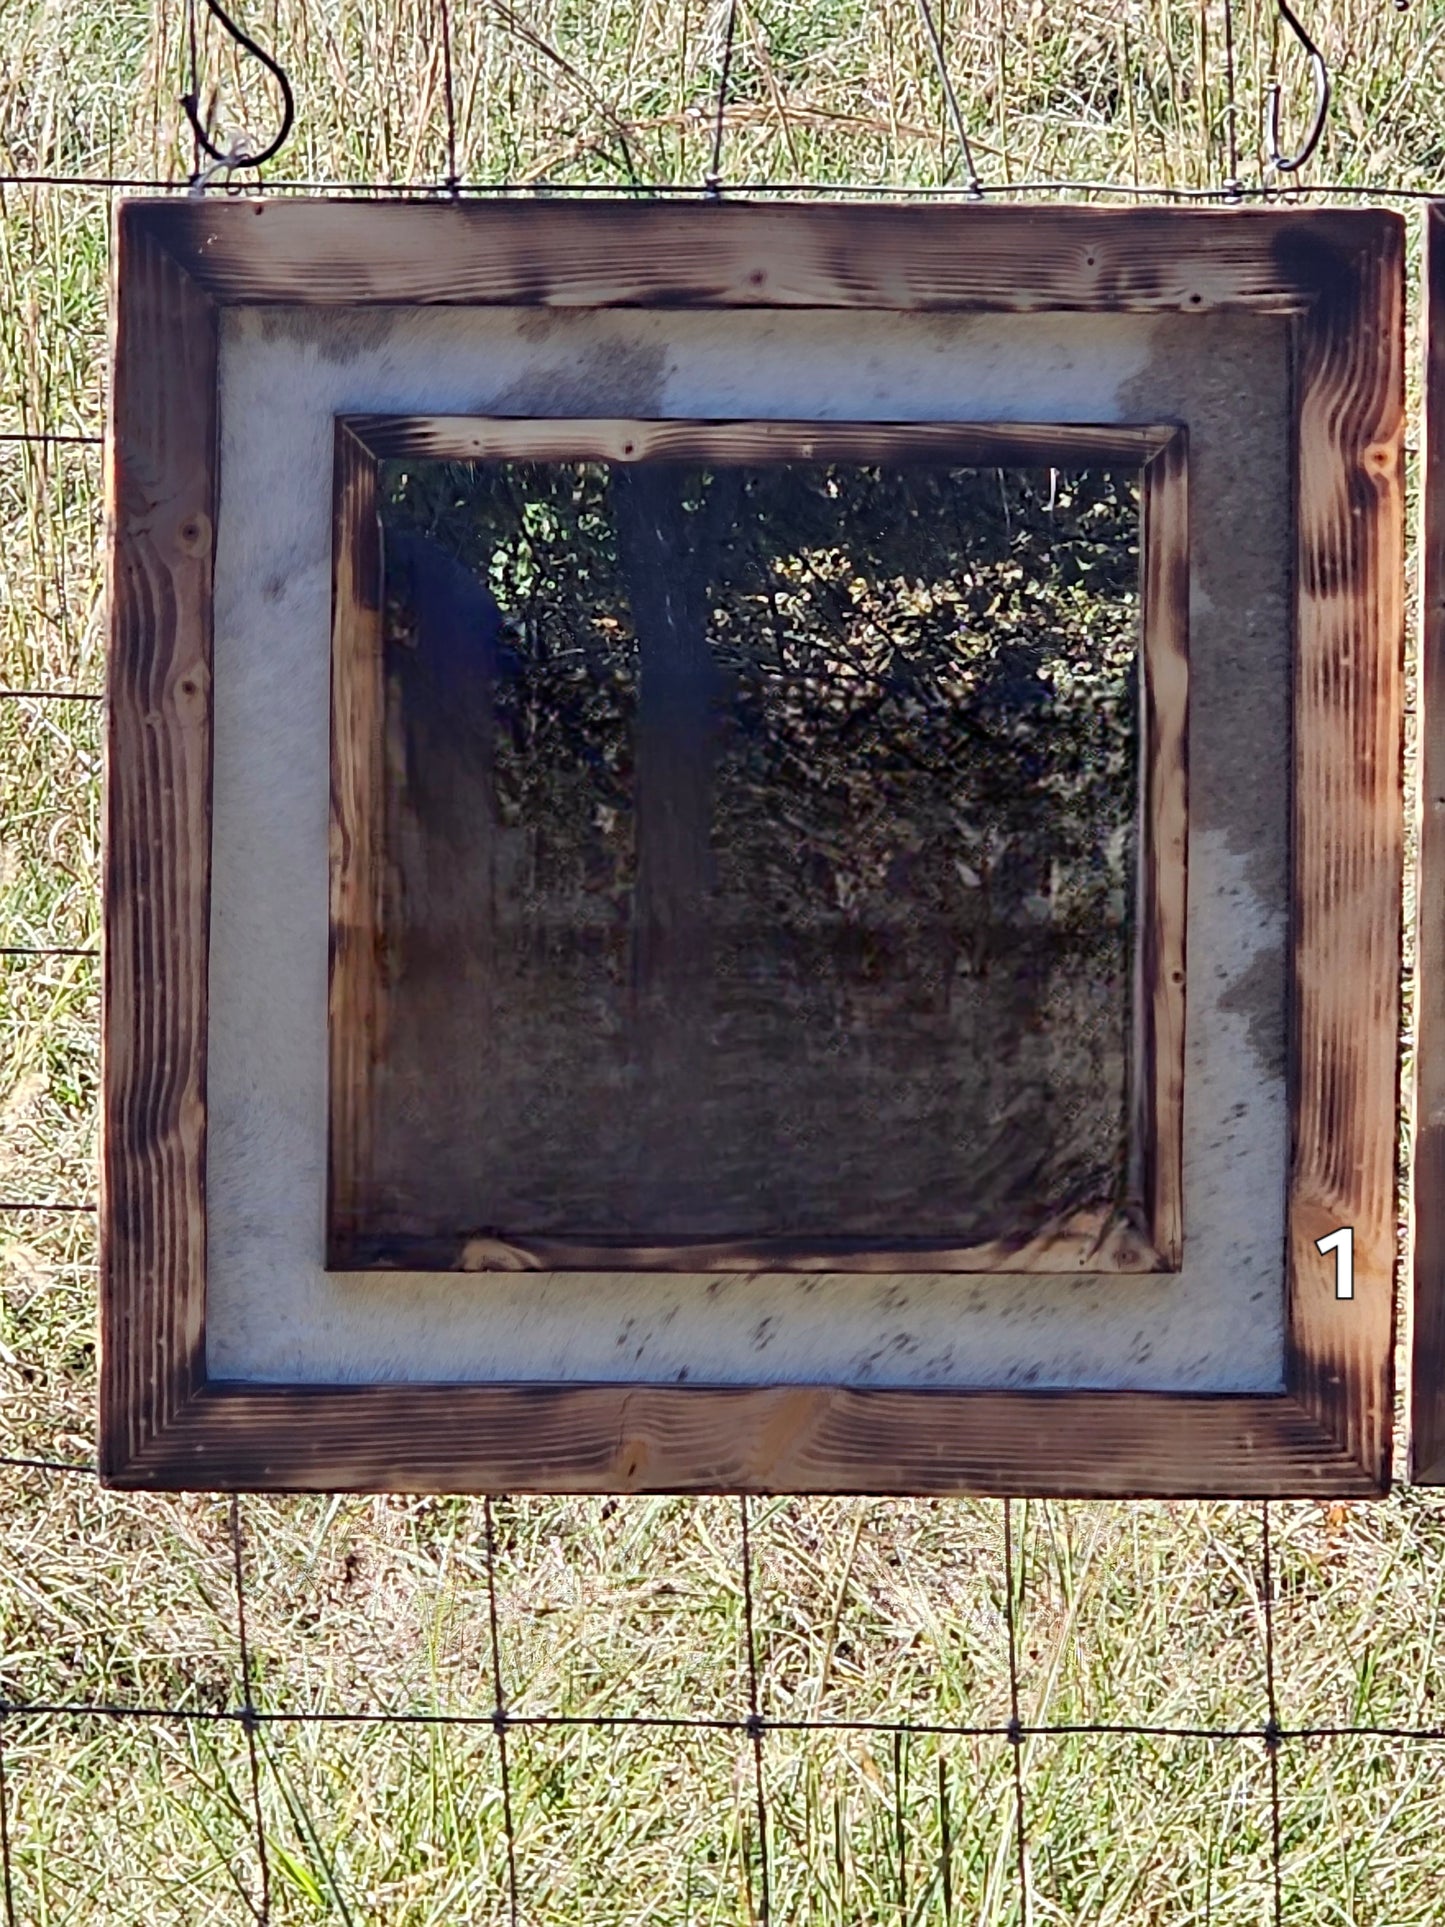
(1150, 1615)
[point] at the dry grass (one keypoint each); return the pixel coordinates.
(1147, 1615)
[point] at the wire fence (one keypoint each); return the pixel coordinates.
(1268, 1732)
(985, 1829)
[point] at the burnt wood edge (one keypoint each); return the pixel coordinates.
(355, 882)
(1145, 1234)
(146, 1425)
(1347, 828)
(1156, 1071)
(778, 1439)
(1007, 258)
(160, 492)
(1117, 1247)
(1427, 1364)
(741, 439)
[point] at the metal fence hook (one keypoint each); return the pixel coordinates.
(236, 156)
(1287, 163)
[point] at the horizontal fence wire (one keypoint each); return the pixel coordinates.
(430, 191)
(1278, 194)
(47, 1204)
(743, 1725)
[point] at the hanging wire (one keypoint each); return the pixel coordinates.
(712, 181)
(1278, 159)
(191, 102)
(235, 157)
(940, 60)
(453, 181)
(1233, 186)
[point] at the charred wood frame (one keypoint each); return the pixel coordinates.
(1138, 1231)
(1337, 279)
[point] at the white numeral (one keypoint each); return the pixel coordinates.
(1342, 1243)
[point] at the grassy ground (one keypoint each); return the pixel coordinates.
(1141, 1615)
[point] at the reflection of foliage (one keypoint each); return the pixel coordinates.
(541, 537)
(925, 688)
(814, 790)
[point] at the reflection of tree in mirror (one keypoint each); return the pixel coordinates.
(804, 837)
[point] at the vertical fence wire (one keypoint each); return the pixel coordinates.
(900, 1831)
(7, 1876)
(755, 1715)
(500, 1722)
(1015, 1725)
(945, 1842)
(262, 1908)
(1272, 1727)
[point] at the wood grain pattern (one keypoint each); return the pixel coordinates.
(1427, 1391)
(472, 438)
(803, 1438)
(1158, 1070)
(1340, 272)
(161, 506)
(635, 254)
(1096, 1241)
(356, 1003)
(1348, 835)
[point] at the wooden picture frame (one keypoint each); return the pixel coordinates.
(1138, 1232)
(1337, 279)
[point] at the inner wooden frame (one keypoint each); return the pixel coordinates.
(1337, 275)
(1140, 1231)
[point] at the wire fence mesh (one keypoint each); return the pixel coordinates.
(594, 1710)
